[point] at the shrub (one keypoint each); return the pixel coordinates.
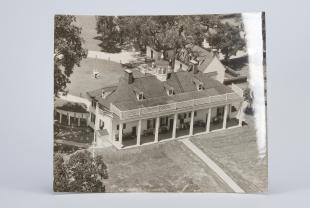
(81, 173)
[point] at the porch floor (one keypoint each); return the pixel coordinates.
(182, 132)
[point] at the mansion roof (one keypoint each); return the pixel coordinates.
(154, 91)
(202, 55)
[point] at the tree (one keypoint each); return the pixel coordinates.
(68, 51)
(81, 173)
(60, 174)
(110, 33)
(227, 40)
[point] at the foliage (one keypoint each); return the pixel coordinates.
(110, 33)
(166, 32)
(160, 32)
(65, 149)
(60, 174)
(249, 96)
(68, 51)
(81, 173)
(227, 40)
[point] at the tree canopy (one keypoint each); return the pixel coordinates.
(160, 32)
(166, 32)
(81, 173)
(227, 40)
(68, 50)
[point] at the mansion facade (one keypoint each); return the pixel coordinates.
(165, 102)
(162, 105)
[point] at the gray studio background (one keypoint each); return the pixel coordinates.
(26, 83)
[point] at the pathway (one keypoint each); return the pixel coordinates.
(122, 57)
(212, 165)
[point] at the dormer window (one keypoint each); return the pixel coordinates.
(170, 92)
(140, 96)
(198, 83)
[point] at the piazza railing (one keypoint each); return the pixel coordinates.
(188, 104)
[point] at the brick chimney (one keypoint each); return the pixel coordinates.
(215, 52)
(129, 76)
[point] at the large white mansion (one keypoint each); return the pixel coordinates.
(165, 102)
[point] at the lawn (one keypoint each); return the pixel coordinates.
(82, 79)
(89, 32)
(165, 167)
(236, 153)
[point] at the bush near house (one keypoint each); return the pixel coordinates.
(80, 173)
(71, 133)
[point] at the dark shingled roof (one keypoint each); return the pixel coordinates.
(124, 95)
(70, 106)
(204, 56)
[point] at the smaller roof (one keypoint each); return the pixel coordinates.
(70, 106)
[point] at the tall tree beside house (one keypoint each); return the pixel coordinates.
(68, 50)
(160, 32)
(209, 21)
(227, 40)
(109, 30)
(81, 173)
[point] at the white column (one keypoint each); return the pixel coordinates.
(60, 118)
(208, 120)
(68, 119)
(139, 133)
(120, 134)
(191, 127)
(225, 116)
(175, 119)
(79, 121)
(156, 129)
(240, 114)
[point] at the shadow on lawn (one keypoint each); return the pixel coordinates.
(109, 45)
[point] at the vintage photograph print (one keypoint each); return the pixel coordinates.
(160, 103)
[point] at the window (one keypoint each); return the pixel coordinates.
(124, 126)
(92, 117)
(170, 92)
(233, 109)
(101, 124)
(164, 121)
(189, 115)
(140, 96)
(93, 103)
(195, 113)
(148, 125)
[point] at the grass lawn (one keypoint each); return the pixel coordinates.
(82, 78)
(89, 32)
(165, 167)
(236, 153)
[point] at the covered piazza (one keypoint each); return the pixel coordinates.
(70, 114)
(176, 125)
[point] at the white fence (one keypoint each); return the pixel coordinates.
(172, 106)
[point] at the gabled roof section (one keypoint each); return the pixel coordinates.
(154, 91)
(202, 55)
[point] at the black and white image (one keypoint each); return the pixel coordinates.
(160, 103)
